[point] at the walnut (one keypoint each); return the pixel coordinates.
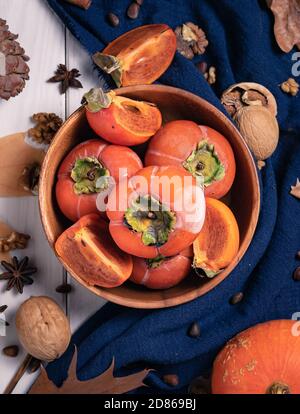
(30, 178)
(43, 328)
(246, 94)
(260, 130)
(286, 27)
(14, 241)
(210, 75)
(47, 124)
(290, 86)
(191, 40)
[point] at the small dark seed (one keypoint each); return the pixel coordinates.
(11, 351)
(171, 379)
(65, 288)
(113, 19)
(296, 275)
(3, 308)
(133, 11)
(202, 66)
(34, 365)
(238, 297)
(194, 330)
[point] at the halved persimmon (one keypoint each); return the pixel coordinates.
(201, 150)
(121, 120)
(161, 272)
(159, 211)
(90, 170)
(88, 251)
(218, 242)
(140, 56)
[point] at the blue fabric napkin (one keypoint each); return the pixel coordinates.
(243, 48)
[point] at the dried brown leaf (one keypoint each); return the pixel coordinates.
(105, 383)
(295, 189)
(15, 156)
(286, 27)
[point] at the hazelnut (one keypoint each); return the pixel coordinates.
(43, 328)
(260, 130)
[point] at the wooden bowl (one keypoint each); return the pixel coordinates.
(244, 197)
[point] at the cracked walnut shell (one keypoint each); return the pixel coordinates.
(245, 94)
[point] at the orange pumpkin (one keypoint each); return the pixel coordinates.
(264, 359)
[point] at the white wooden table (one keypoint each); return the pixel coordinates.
(48, 43)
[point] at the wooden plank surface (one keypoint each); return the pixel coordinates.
(47, 42)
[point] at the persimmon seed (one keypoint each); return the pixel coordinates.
(296, 275)
(194, 330)
(238, 297)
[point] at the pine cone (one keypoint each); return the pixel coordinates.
(13, 67)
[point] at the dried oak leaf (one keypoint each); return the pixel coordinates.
(105, 383)
(16, 155)
(287, 23)
(295, 189)
(13, 67)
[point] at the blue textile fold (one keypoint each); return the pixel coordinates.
(242, 47)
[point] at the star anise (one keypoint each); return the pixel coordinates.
(17, 273)
(66, 78)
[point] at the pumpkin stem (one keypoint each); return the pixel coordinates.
(278, 388)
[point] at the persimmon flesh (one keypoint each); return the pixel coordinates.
(121, 120)
(218, 241)
(87, 250)
(140, 56)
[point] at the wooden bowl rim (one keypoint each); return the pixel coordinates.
(163, 302)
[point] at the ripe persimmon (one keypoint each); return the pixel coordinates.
(87, 171)
(121, 120)
(161, 272)
(201, 150)
(159, 211)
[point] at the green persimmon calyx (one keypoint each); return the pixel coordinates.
(156, 262)
(148, 216)
(89, 176)
(96, 99)
(109, 64)
(204, 162)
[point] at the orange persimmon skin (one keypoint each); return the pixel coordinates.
(168, 274)
(175, 142)
(189, 219)
(145, 53)
(258, 357)
(116, 125)
(111, 157)
(88, 251)
(218, 242)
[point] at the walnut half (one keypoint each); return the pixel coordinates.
(246, 94)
